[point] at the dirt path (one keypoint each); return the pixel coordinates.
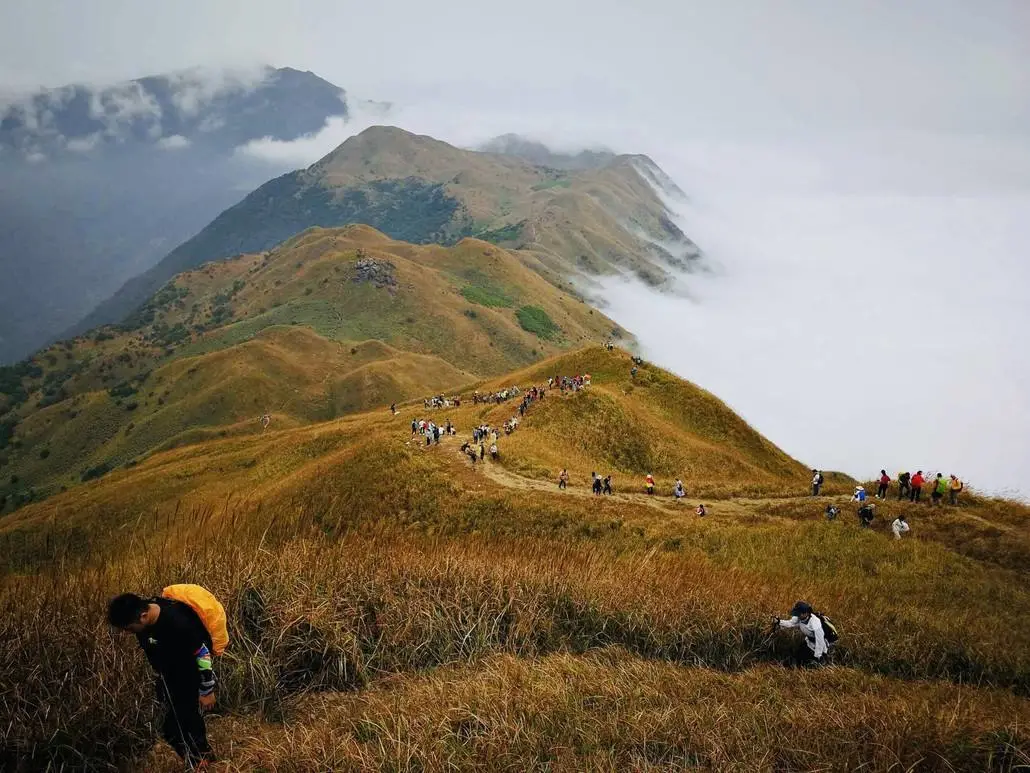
(502, 476)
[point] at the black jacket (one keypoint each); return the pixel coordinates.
(172, 646)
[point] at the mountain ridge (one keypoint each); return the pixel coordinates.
(420, 189)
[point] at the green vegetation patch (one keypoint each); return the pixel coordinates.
(535, 320)
(507, 233)
(488, 295)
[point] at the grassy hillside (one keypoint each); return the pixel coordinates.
(394, 607)
(599, 218)
(331, 322)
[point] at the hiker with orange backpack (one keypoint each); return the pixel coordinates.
(179, 632)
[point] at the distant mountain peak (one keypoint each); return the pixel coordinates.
(216, 108)
(539, 154)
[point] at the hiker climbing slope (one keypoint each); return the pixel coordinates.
(819, 634)
(940, 488)
(180, 649)
(904, 484)
(817, 482)
(885, 482)
(916, 486)
(954, 489)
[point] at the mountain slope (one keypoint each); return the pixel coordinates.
(96, 185)
(396, 605)
(415, 188)
(331, 322)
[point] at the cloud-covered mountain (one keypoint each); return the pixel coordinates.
(96, 184)
(216, 109)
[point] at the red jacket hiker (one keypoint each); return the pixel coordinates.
(918, 480)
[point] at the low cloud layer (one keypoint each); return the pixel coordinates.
(858, 331)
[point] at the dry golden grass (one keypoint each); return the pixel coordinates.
(305, 342)
(612, 711)
(392, 607)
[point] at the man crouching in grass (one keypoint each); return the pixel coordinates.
(179, 650)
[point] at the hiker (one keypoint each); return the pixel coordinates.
(817, 482)
(649, 482)
(900, 526)
(866, 513)
(633, 372)
(414, 427)
(179, 649)
(832, 511)
(563, 479)
(940, 488)
(607, 484)
(482, 452)
(954, 488)
(701, 512)
(819, 634)
(916, 486)
(393, 408)
(904, 485)
(597, 483)
(885, 483)
(859, 495)
(493, 451)
(436, 434)
(678, 491)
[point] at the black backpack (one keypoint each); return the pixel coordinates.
(820, 479)
(829, 629)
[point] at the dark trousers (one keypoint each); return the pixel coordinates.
(915, 494)
(561, 484)
(881, 492)
(815, 489)
(183, 726)
(607, 488)
(953, 496)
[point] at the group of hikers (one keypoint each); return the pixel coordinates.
(437, 401)
(498, 397)
(569, 383)
(910, 487)
(867, 514)
(602, 485)
(481, 436)
(430, 430)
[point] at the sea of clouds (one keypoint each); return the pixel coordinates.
(865, 306)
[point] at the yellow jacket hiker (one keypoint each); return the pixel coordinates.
(180, 647)
(954, 487)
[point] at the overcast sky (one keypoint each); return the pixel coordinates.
(858, 171)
